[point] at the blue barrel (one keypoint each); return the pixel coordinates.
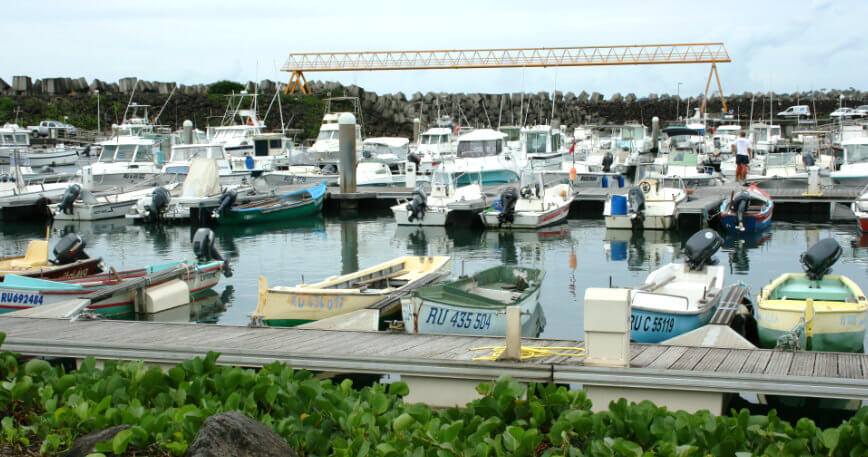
(620, 181)
(619, 205)
(605, 182)
(619, 250)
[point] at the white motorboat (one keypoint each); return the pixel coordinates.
(18, 193)
(781, 170)
(79, 204)
(765, 137)
(481, 154)
(853, 171)
(544, 147)
(650, 205)
(124, 161)
(860, 210)
(13, 138)
(681, 296)
(681, 159)
(445, 198)
(533, 206)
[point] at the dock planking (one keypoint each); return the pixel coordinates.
(336, 350)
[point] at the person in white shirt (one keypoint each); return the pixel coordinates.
(743, 152)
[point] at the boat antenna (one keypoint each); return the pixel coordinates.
(485, 111)
(270, 104)
(500, 112)
(521, 104)
(280, 111)
(132, 93)
(554, 92)
(165, 104)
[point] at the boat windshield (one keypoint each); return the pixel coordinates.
(512, 133)
(441, 178)
(856, 153)
(479, 148)
(7, 139)
(327, 135)
(780, 159)
(144, 154)
(117, 153)
(431, 138)
(683, 158)
(198, 152)
(536, 142)
(760, 135)
(632, 133)
(225, 135)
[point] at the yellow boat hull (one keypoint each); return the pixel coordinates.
(289, 306)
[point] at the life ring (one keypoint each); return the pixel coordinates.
(645, 186)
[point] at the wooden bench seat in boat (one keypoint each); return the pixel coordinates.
(830, 290)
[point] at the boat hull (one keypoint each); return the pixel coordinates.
(96, 212)
(648, 223)
(648, 326)
(434, 216)
(52, 159)
(527, 220)
(202, 278)
(752, 223)
(77, 269)
(487, 176)
(255, 217)
(430, 317)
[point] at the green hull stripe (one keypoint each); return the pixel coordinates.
(827, 342)
(285, 322)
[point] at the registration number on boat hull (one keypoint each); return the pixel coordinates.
(443, 317)
(18, 298)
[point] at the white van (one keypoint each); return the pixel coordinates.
(796, 111)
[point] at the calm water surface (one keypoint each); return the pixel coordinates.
(574, 256)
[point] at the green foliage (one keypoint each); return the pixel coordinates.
(225, 87)
(165, 409)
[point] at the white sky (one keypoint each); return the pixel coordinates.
(780, 45)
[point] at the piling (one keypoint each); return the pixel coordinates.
(187, 132)
(417, 129)
(347, 152)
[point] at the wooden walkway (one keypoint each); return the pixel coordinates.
(652, 366)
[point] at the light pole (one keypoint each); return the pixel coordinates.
(678, 100)
(97, 112)
(840, 118)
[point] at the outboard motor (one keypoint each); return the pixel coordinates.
(226, 201)
(46, 170)
(417, 205)
(507, 198)
(808, 159)
(160, 199)
(330, 169)
(70, 195)
(819, 258)
(636, 198)
(366, 154)
(608, 160)
(69, 249)
(205, 251)
(701, 247)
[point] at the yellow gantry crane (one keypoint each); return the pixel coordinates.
(647, 54)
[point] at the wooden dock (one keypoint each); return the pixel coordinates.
(653, 367)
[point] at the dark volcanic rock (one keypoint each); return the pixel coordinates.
(84, 445)
(235, 435)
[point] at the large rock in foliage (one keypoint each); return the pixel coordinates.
(236, 435)
(84, 445)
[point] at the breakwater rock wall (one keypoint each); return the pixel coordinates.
(75, 100)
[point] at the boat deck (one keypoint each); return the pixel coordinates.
(816, 374)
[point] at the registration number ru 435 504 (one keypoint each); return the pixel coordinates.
(458, 319)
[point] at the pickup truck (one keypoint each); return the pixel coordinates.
(45, 127)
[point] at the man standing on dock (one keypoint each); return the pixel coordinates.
(743, 151)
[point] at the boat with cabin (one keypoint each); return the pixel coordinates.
(445, 198)
(681, 296)
(283, 306)
(650, 205)
(482, 154)
(476, 304)
(853, 170)
(535, 205)
(544, 147)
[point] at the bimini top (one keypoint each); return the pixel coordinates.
(681, 131)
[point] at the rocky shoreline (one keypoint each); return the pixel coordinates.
(74, 99)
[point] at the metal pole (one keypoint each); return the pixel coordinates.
(347, 152)
(678, 100)
(97, 112)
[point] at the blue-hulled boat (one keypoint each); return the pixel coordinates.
(679, 297)
(748, 211)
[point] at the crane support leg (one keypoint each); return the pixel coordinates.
(297, 81)
(713, 71)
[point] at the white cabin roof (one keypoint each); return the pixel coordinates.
(391, 141)
(856, 140)
(729, 128)
(437, 131)
(125, 139)
(482, 135)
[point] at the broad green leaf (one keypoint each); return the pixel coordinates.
(402, 422)
(399, 388)
(121, 441)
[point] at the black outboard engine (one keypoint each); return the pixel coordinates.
(160, 199)
(203, 247)
(636, 199)
(69, 249)
(701, 247)
(417, 205)
(70, 195)
(366, 154)
(330, 169)
(46, 170)
(507, 198)
(819, 258)
(226, 201)
(608, 160)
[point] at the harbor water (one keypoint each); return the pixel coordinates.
(579, 254)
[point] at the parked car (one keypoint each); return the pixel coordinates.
(45, 127)
(796, 111)
(863, 109)
(847, 113)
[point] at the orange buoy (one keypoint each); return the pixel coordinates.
(572, 260)
(573, 174)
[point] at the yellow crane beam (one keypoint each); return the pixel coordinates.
(647, 54)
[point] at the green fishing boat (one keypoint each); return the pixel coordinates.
(292, 205)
